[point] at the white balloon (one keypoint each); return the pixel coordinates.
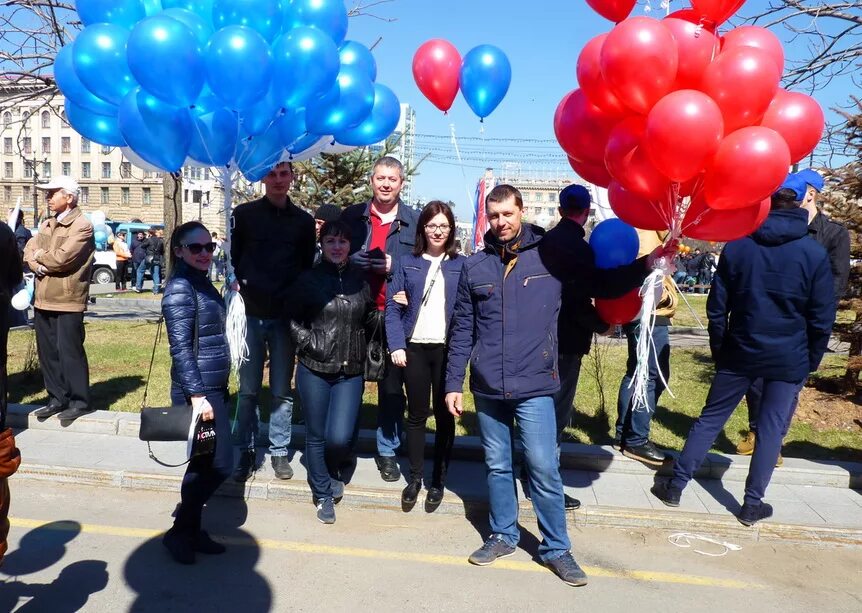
(97, 218)
(138, 161)
(309, 153)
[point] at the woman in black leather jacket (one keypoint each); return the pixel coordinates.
(194, 314)
(333, 307)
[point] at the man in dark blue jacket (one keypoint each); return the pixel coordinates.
(770, 312)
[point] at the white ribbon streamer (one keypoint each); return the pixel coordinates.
(684, 540)
(235, 324)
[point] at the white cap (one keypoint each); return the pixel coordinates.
(67, 184)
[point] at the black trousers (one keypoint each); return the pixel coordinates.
(424, 380)
(60, 344)
(121, 274)
(4, 382)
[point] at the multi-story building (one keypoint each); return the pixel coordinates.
(405, 148)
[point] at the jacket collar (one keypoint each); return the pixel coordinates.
(70, 216)
(399, 214)
(572, 226)
(289, 209)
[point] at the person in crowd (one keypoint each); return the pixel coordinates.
(194, 313)
(324, 213)
(383, 230)
(217, 269)
(421, 299)
(693, 269)
(505, 326)
(633, 422)
(61, 256)
(272, 242)
(680, 274)
(22, 235)
(763, 323)
(139, 254)
(333, 308)
(705, 270)
(123, 255)
(154, 253)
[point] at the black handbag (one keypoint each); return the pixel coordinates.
(376, 360)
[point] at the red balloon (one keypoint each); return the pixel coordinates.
(799, 120)
(615, 10)
(697, 48)
(620, 310)
(592, 82)
(639, 61)
(637, 211)
(717, 11)
(582, 128)
(629, 164)
(755, 36)
(692, 187)
(594, 173)
(703, 223)
(436, 67)
(749, 166)
(742, 81)
(683, 132)
(692, 16)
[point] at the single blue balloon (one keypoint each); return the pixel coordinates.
(359, 56)
(258, 118)
(124, 13)
(256, 155)
(305, 66)
(292, 128)
(158, 132)
(614, 243)
(166, 58)
(214, 137)
(72, 88)
(152, 7)
(101, 129)
(238, 66)
(485, 78)
(201, 8)
(379, 124)
(303, 143)
(263, 16)
(347, 105)
(329, 16)
(99, 58)
(201, 27)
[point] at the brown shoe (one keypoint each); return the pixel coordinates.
(746, 445)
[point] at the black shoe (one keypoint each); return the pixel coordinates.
(410, 494)
(568, 570)
(388, 468)
(337, 490)
(326, 511)
(571, 503)
(617, 444)
(495, 547)
(646, 453)
(205, 544)
(433, 498)
(180, 546)
(48, 410)
(73, 414)
(668, 495)
(245, 467)
(750, 514)
(281, 466)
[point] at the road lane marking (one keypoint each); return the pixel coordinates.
(399, 556)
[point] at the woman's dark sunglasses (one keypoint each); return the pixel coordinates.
(196, 248)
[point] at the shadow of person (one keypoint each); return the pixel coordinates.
(69, 592)
(40, 548)
(108, 393)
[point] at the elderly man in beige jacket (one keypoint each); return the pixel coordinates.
(61, 256)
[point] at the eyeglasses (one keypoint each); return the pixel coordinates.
(433, 227)
(196, 248)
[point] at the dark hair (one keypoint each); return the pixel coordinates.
(335, 228)
(178, 236)
(502, 193)
(784, 199)
(431, 210)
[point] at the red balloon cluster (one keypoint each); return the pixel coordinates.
(672, 109)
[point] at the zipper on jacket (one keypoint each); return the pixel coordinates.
(530, 278)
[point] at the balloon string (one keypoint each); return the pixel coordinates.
(461, 163)
(203, 140)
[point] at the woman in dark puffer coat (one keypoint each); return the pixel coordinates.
(194, 314)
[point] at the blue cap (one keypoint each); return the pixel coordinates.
(575, 197)
(795, 183)
(811, 177)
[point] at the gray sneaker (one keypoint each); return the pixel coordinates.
(337, 490)
(568, 570)
(325, 511)
(495, 547)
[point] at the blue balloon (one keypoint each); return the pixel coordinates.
(347, 105)
(101, 129)
(166, 58)
(238, 66)
(292, 129)
(197, 24)
(256, 155)
(262, 16)
(201, 8)
(72, 88)
(156, 131)
(485, 78)
(258, 118)
(124, 13)
(358, 55)
(303, 143)
(305, 66)
(379, 124)
(152, 7)
(614, 243)
(99, 58)
(328, 16)
(214, 137)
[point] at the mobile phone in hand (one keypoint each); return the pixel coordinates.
(376, 254)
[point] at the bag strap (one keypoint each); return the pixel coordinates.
(158, 461)
(431, 285)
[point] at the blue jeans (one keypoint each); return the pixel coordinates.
(331, 406)
(263, 335)
(776, 410)
(632, 428)
(537, 430)
(155, 269)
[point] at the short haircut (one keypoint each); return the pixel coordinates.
(503, 192)
(335, 228)
(431, 210)
(783, 200)
(387, 161)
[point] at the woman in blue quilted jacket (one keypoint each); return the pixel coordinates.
(194, 313)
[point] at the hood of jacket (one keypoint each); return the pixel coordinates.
(782, 227)
(529, 238)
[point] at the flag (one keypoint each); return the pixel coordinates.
(480, 216)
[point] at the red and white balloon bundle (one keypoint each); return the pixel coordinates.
(687, 128)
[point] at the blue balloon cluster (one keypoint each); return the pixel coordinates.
(222, 82)
(614, 243)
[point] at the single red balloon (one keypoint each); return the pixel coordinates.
(717, 11)
(591, 81)
(692, 187)
(692, 16)
(703, 223)
(436, 67)
(697, 48)
(755, 36)
(637, 211)
(799, 120)
(582, 128)
(639, 62)
(620, 310)
(614, 10)
(683, 132)
(749, 166)
(627, 160)
(591, 172)
(742, 81)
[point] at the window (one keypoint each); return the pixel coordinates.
(550, 211)
(106, 170)
(106, 149)
(126, 170)
(537, 210)
(67, 168)
(106, 195)
(28, 170)
(66, 144)
(85, 195)
(46, 170)
(186, 172)
(196, 174)
(46, 144)
(25, 117)
(197, 196)
(7, 194)
(125, 199)
(7, 170)
(28, 145)
(146, 197)
(552, 197)
(46, 119)
(63, 118)
(85, 170)
(7, 145)
(185, 195)
(206, 174)
(85, 145)
(7, 118)
(25, 192)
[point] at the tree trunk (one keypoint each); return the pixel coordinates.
(172, 211)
